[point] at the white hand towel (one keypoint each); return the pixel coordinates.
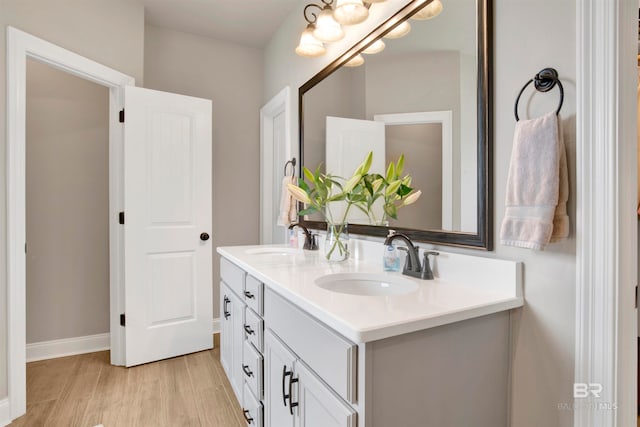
(537, 186)
(288, 213)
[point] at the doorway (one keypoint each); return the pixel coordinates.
(21, 47)
(67, 214)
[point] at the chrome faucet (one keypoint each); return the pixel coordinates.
(412, 265)
(310, 241)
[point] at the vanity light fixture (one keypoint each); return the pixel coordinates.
(356, 61)
(400, 31)
(431, 10)
(327, 28)
(350, 12)
(376, 47)
(309, 46)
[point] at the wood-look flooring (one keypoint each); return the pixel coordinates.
(85, 391)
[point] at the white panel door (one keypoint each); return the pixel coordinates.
(167, 179)
(278, 372)
(348, 141)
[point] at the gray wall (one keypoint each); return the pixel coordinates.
(543, 331)
(67, 134)
(231, 76)
(108, 31)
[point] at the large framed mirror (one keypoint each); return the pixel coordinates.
(427, 95)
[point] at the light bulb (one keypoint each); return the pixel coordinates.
(310, 46)
(350, 12)
(376, 47)
(431, 10)
(400, 31)
(327, 29)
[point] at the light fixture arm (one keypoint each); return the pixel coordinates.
(313, 15)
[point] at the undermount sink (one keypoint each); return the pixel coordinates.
(366, 284)
(274, 251)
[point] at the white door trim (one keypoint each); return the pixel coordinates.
(445, 118)
(605, 349)
(281, 103)
(21, 46)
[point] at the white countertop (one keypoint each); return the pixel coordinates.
(465, 287)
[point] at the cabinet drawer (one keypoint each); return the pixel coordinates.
(232, 275)
(252, 366)
(254, 329)
(253, 294)
(252, 409)
(328, 354)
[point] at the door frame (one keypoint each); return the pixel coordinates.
(20, 47)
(281, 103)
(606, 230)
(445, 119)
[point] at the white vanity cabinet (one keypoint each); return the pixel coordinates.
(242, 337)
(295, 396)
(232, 337)
(292, 369)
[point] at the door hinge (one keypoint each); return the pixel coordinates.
(123, 320)
(121, 116)
(636, 296)
(25, 251)
(121, 218)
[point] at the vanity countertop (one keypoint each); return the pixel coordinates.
(465, 287)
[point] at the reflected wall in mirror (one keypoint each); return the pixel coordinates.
(425, 96)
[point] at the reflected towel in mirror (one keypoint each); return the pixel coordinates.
(288, 213)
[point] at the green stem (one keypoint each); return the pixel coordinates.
(338, 242)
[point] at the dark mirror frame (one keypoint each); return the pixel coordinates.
(483, 239)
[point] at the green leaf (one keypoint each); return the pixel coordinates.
(308, 174)
(308, 211)
(404, 190)
(391, 210)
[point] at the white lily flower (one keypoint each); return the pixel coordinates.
(299, 194)
(411, 198)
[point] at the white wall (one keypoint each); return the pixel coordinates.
(231, 76)
(108, 31)
(67, 189)
(525, 42)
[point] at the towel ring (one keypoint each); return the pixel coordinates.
(544, 81)
(291, 162)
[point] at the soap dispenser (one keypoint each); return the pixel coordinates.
(391, 258)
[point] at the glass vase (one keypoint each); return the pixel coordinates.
(336, 243)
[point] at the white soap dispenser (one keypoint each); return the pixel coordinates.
(391, 258)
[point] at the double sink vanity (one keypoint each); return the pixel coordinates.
(310, 343)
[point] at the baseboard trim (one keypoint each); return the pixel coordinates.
(78, 345)
(67, 347)
(5, 412)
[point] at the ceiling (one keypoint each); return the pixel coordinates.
(248, 22)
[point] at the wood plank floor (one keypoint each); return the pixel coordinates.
(85, 391)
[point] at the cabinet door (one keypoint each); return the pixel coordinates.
(237, 342)
(226, 329)
(319, 406)
(278, 372)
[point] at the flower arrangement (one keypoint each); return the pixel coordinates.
(362, 190)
